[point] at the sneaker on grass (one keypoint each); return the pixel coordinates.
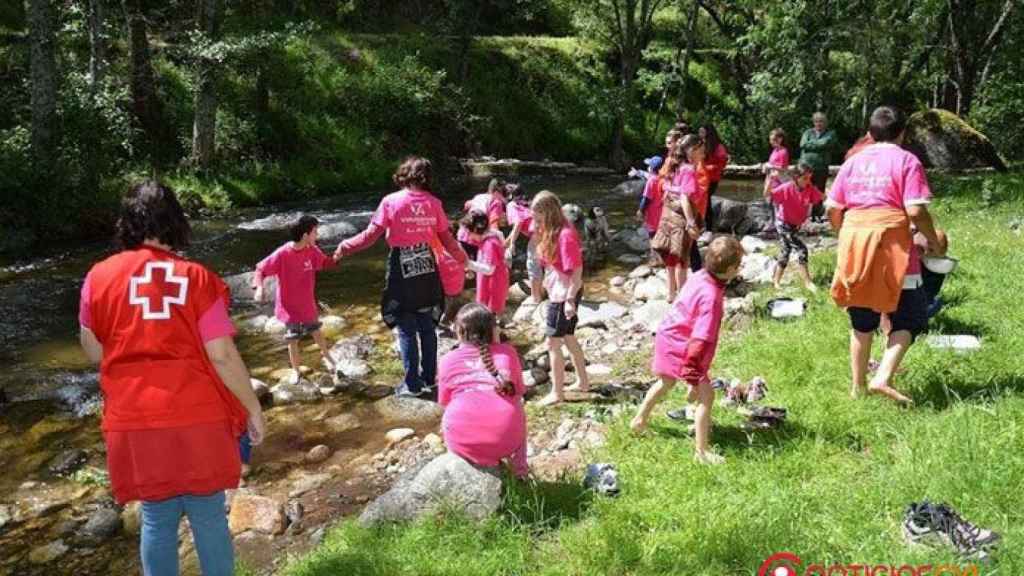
(939, 525)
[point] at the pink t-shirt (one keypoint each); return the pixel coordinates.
(410, 217)
(453, 274)
(492, 204)
(779, 158)
(881, 175)
(214, 323)
(296, 281)
(696, 313)
(685, 183)
(478, 423)
(492, 289)
(793, 204)
(517, 213)
(568, 257)
(655, 194)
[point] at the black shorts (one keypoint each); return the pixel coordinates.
(300, 330)
(911, 314)
(557, 325)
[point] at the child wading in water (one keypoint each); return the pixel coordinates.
(559, 248)
(793, 201)
(491, 203)
(521, 219)
(685, 344)
(295, 264)
(490, 267)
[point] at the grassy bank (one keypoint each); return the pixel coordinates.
(831, 486)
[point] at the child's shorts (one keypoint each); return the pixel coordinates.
(557, 325)
(911, 314)
(534, 269)
(299, 330)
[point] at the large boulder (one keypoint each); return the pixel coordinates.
(446, 483)
(941, 139)
(410, 410)
(651, 314)
(740, 218)
(599, 313)
(631, 187)
(241, 287)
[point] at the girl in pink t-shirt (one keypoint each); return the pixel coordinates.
(778, 161)
(491, 203)
(490, 267)
(687, 338)
(793, 201)
(521, 219)
(561, 253)
(481, 389)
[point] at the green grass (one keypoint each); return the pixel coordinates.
(831, 486)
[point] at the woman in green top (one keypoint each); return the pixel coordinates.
(817, 147)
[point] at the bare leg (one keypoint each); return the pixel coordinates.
(673, 283)
(860, 353)
(579, 363)
(806, 275)
(899, 342)
(557, 373)
(681, 277)
(294, 355)
(702, 424)
(536, 290)
(325, 349)
(777, 276)
(651, 399)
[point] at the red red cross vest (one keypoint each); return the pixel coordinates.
(145, 305)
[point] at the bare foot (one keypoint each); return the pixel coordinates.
(811, 287)
(857, 391)
(709, 458)
(550, 400)
(638, 426)
(777, 285)
(889, 392)
(579, 387)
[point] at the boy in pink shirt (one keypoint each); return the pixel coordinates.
(480, 385)
(793, 201)
(490, 267)
(295, 265)
(687, 338)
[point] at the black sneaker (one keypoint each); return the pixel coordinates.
(940, 525)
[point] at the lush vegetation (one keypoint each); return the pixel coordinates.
(251, 101)
(830, 486)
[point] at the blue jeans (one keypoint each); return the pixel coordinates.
(418, 372)
(209, 532)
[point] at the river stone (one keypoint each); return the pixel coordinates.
(753, 244)
(318, 454)
(396, 435)
(617, 281)
(274, 327)
(598, 370)
(241, 287)
(631, 187)
(739, 312)
(447, 482)
(525, 311)
(37, 500)
(434, 442)
(354, 368)
(102, 524)
(131, 517)
(257, 513)
(411, 410)
(332, 326)
(941, 139)
(336, 231)
(729, 215)
(303, 392)
(47, 553)
(642, 271)
(629, 259)
(651, 314)
(651, 288)
(518, 291)
(540, 375)
(262, 391)
(599, 314)
(635, 239)
(67, 462)
(343, 422)
(354, 348)
(5, 516)
(307, 483)
(757, 268)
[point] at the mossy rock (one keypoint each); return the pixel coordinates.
(943, 140)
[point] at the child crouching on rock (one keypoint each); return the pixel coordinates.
(687, 338)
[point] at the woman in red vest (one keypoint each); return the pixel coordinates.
(177, 396)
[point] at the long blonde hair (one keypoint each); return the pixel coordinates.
(548, 216)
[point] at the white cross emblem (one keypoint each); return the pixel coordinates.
(145, 301)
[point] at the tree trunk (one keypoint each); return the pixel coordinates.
(145, 105)
(42, 22)
(691, 28)
(96, 14)
(205, 124)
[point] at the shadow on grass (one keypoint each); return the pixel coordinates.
(942, 324)
(940, 394)
(540, 506)
(735, 437)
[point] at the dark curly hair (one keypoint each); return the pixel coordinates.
(150, 210)
(414, 172)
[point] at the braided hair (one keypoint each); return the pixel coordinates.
(475, 325)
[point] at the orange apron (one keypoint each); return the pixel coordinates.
(873, 254)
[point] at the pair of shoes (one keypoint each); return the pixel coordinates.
(757, 390)
(939, 524)
(403, 391)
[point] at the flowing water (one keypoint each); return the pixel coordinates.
(51, 391)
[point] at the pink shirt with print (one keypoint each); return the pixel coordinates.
(793, 204)
(696, 314)
(568, 258)
(479, 424)
(296, 281)
(492, 289)
(654, 191)
(517, 213)
(410, 217)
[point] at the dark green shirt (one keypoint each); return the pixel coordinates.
(817, 149)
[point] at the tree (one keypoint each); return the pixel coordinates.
(145, 104)
(96, 14)
(623, 26)
(42, 23)
(204, 126)
(976, 30)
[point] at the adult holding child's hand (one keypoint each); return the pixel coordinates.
(177, 396)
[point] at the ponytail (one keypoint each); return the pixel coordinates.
(476, 325)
